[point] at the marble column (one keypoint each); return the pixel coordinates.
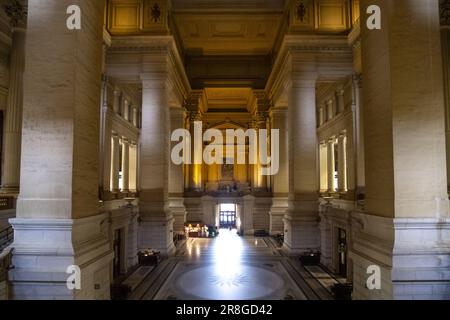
(342, 163)
(156, 227)
(126, 110)
(115, 163)
(280, 185)
(135, 117)
(405, 227)
(445, 44)
(176, 176)
(260, 124)
(13, 119)
(58, 224)
(106, 144)
(301, 222)
(195, 170)
(133, 168)
(125, 166)
(358, 114)
(331, 166)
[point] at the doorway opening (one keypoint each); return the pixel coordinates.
(342, 249)
(117, 247)
(227, 216)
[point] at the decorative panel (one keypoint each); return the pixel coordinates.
(125, 16)
(155, 15)
(302, 14)
(332, 15)
(138, 16)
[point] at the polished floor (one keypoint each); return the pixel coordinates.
(231, 267)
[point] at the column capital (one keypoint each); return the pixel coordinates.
(299, 81)
(195, 116)
(154, 80)
(263, 102)
(357, 79)
(195, 101)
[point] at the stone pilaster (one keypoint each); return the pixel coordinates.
(195, 170)
(280, 187)
(156, 225)
(58, 224)
(404, 229)
(301, 222)
(444, 10)
(358, 114)
(13, 121)
(176, 176)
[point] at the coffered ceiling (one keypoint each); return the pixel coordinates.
(231, 99)
(228, 27)
(228, 33)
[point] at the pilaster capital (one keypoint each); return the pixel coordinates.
(357, 79)
(195, 101)
(117, 93)
(154, 80)
(115, 136)
(195, 116)
(303, 81)
(262, 100)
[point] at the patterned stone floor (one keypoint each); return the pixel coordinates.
(230, 268)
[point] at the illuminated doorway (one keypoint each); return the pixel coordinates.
(227, 216)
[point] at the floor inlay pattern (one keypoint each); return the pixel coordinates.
(230, 268)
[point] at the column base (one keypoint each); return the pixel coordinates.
(277, 212)
(45, 248)
(178, 211)
(156, 233)
(194, 211)
(413, 256)
(301, 234)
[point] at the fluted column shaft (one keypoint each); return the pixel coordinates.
(115, 163)
(13, 123)
(125, 165)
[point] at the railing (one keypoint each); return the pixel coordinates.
(6, 238)
(6, 203)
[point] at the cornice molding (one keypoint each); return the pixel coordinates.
(155, 49)
(303, 52)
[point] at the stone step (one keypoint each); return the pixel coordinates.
(137, 277)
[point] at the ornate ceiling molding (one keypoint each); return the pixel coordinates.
(17, 12)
